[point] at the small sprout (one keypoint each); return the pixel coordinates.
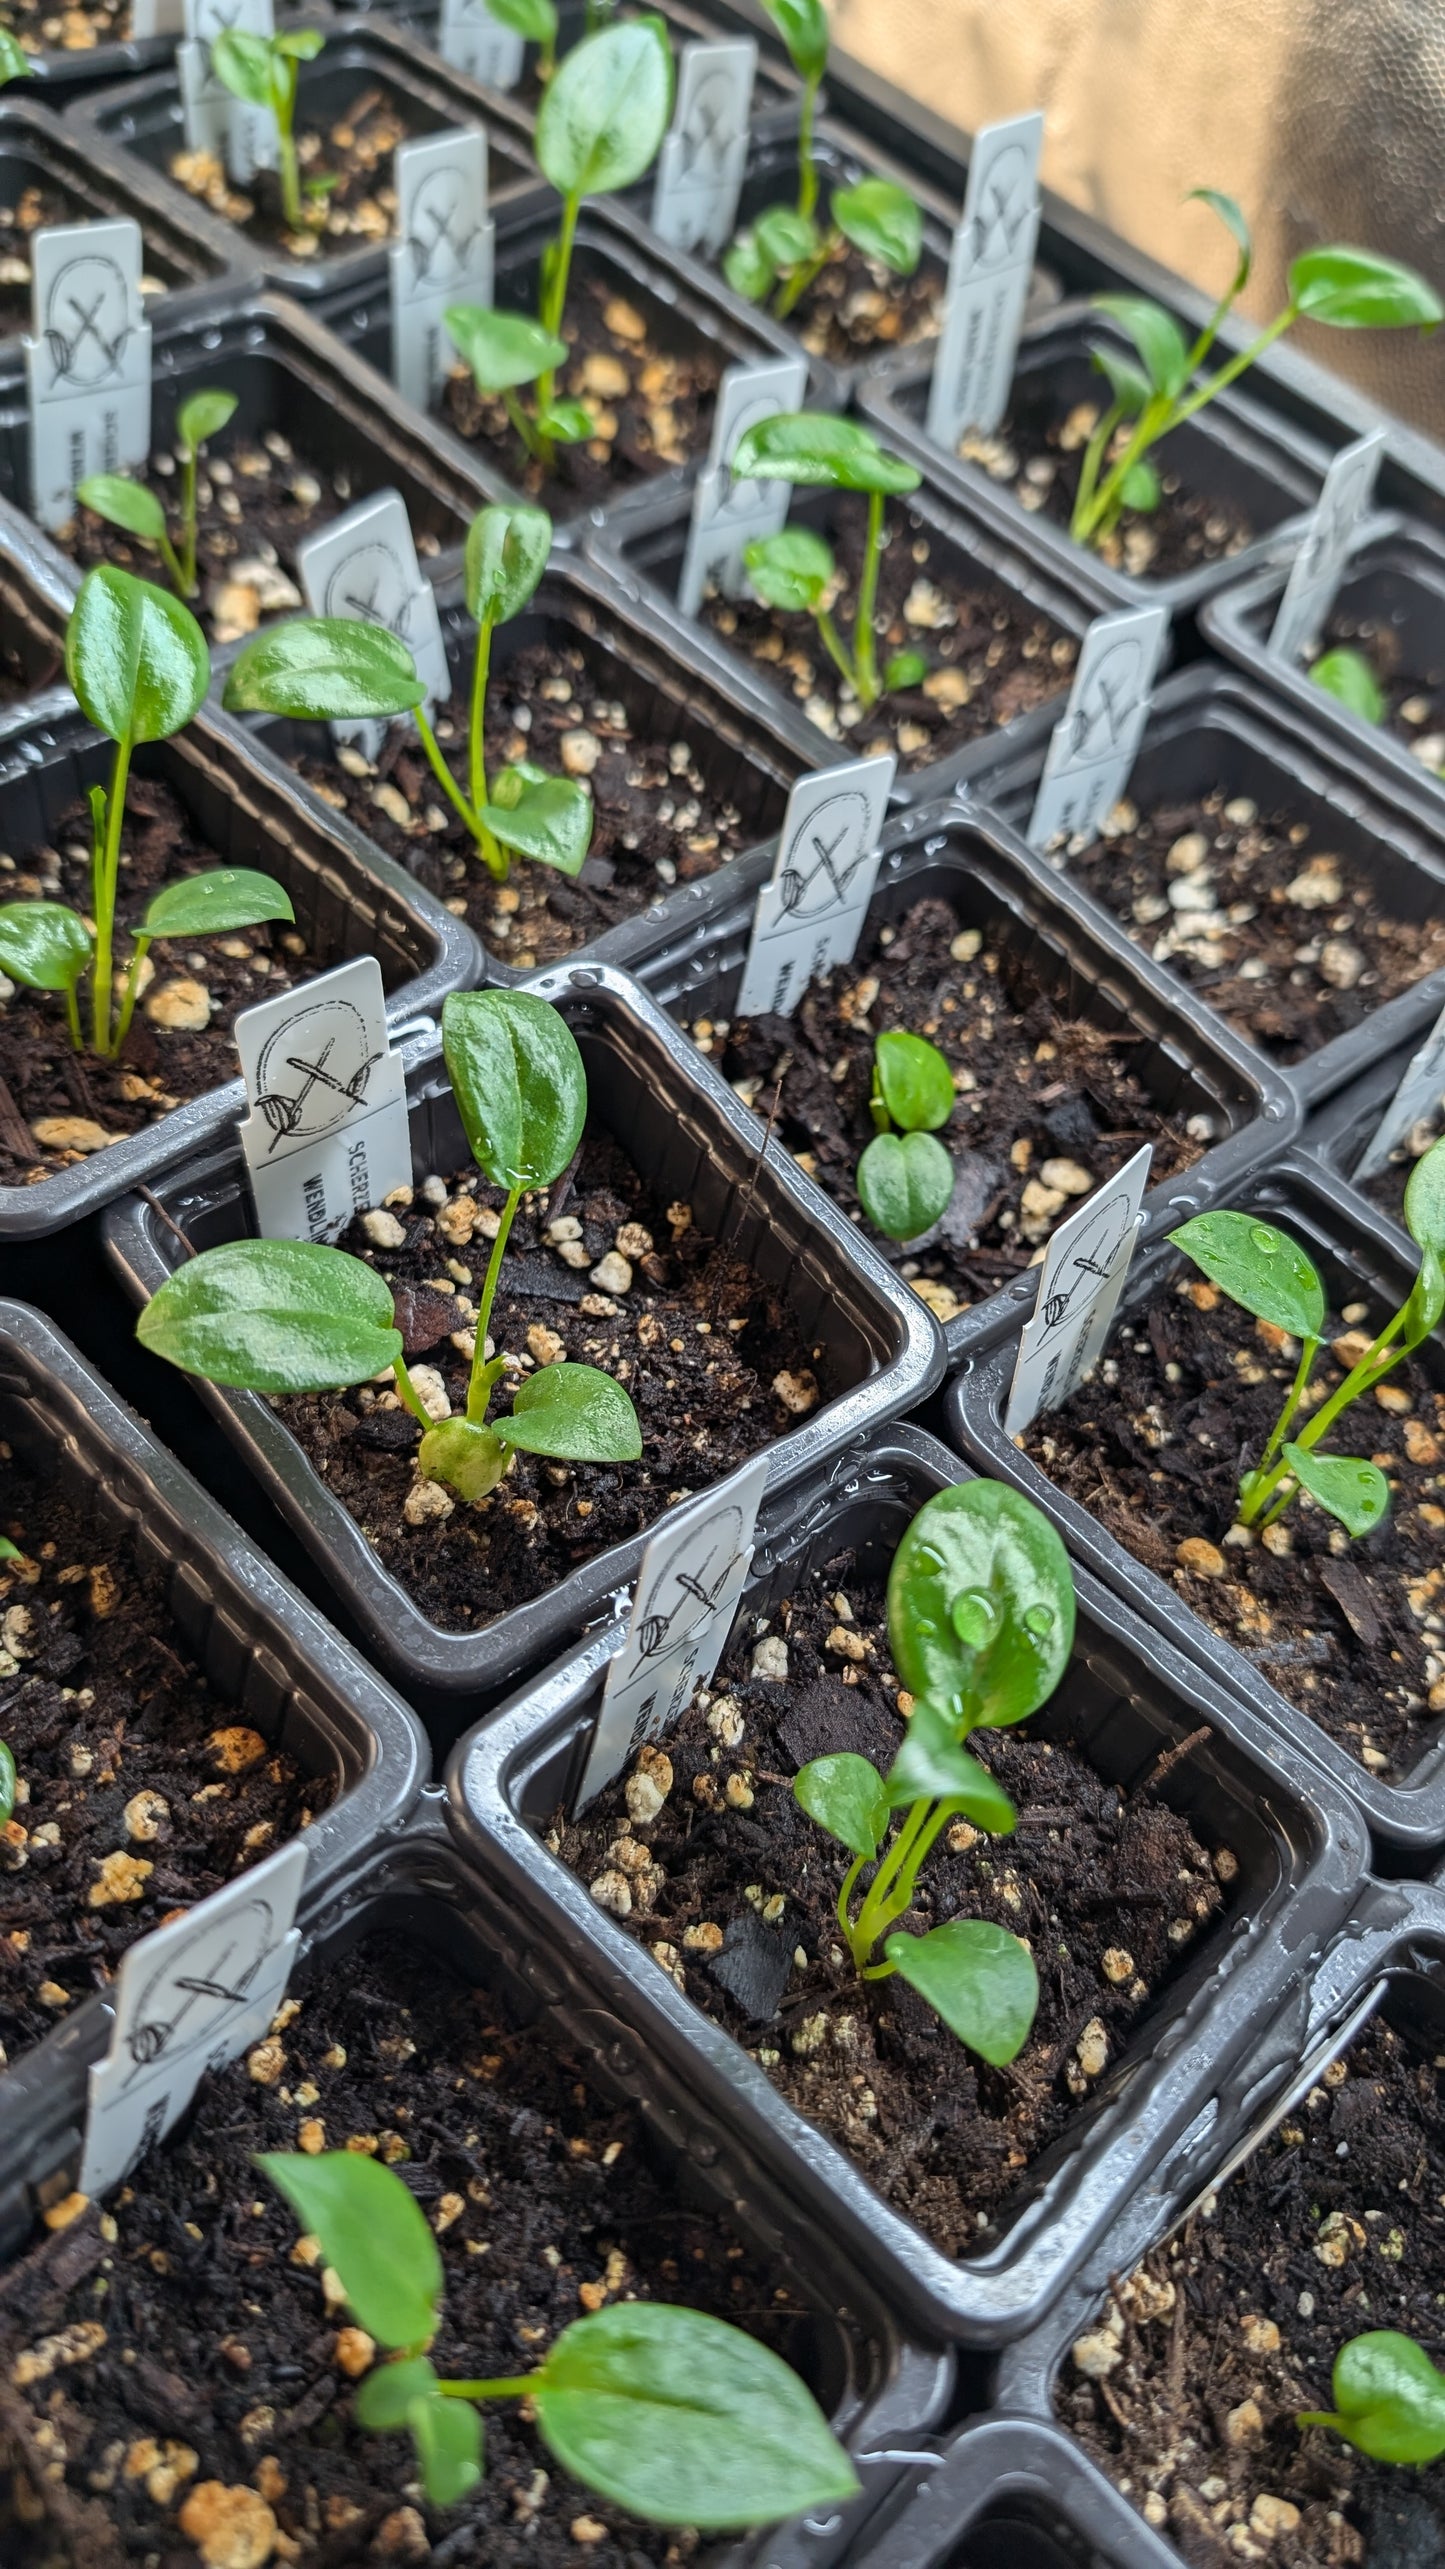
(15, 62)
(905, 1184)
(795, 571)
(1347, 676)
(122, 502)
(1389, 2399)
(536, 21)
(264, 71)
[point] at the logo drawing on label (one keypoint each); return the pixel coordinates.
(371, 583)
(698, 1585)
(88, 321)
(222, 1965)
(313, 1071)
(441, 234)
(1000, 221)
(1109, 700)
(711, 126)
(817, 876)
(1094, 1255)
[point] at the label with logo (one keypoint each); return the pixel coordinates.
(238, 132)
(88, 365)
(989, 269)
(691, 1578)
(472, 40)
(327, 1134)
(1096, 738)
(809, 916)
(1315, 574)
(189, 1998)
(726, 514)
(443, 256)
(701, 165)
(364, 565)
(1084, 1271)
(1418, 1098)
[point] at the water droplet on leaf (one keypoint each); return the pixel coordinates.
(1039, 1622)
(1266, 1242)
(975, 1618)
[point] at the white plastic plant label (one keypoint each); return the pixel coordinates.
(189, 1997)
(1418, 1098)
(703, 159)
(444, 254)
(687, 1590)
(1080, 1280)
(364, 565)
(240, 134)
(809, 916)
(327, 1134)
(1349, 487)
(88, 364)
(1096, 738)
(472, 40)
(989, 269)
(157, 18)
(726, 514)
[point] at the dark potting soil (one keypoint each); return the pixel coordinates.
(656, 821)
(855, 304)
(1350, 1630)
(139, 1789)
(699, 1341)
(1334, 2227)
(1414, 698)
(1047, 1106)
(1038, 454)
(991, 658)
(734, 1890)
(208, 2362)
(1286, 938)
(651, 406)
(355, 149)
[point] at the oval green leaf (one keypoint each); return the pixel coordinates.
(203, 417)
(978, 1978)
(43, 944)
(1356, 290)
(206, 905)
(375, 2234)
(905, 669)
(242, 64)
(883, 221)
(1425, 1199)
(931, 1765)
(748, 269)
(1158, 340)
(1140, 488)
(549, 821)
(1426, 1305)
(792, 571)
(1259, 1266)
(785, 237)
(1355, 1492)
(274, 1316)
(299, 44)
(520, 1087)
(571, 421)
(534, 19)
(803, 26)
(15, 62)
(916, 1081)
(325, 669)
(981, 1605)
(448, 2439)
(122, 502)
(8, 1782)
(606, 109)
(905, 1184)
(135, 657)
(845, 1795)
(1347, 676)
(822, 451)
(506, 555)
(385, 2398)
(1389, 2399)
(1232, 217)
(503, 349)
(576, 1412)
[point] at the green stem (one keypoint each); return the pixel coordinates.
(411, 1397)
(476, 736)
(846, 1890)
(865, 655)
(1237, 366)
(476, 1388)
(1210, 332)
(533, 442)
(1157, 420)
(109, 876)
(175, 568)
(492, 854)
(516, 2386)
(554, 301)
(283, 107)
(807, 173)
(877, 1909)
(795, 285)
(72, 1017)
(1372, 1368)
(1094, 454)
(1283, 1423)
(189, 462)
(131, 992)
(834, 646)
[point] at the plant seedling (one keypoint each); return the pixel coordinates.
(1268, 1274)
(1345, 289)
(1389, 2399)
(334, 669)
(1347, 676)
(795, 572)
(122, 502)
(536, 22)
(295, 1316)
(905, 1177)
(665, 2411)
(599, 127)
(138, 664)
(981, 1624)
(15, 62)
(264, 70)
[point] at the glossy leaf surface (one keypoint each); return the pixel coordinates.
(978, 1978)
(136, 658)
(981, 1605)
(520, 1087)
(274, 1316)
(1258, 1266)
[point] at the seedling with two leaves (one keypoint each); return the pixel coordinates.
(795, 572)
(138, 664)
(130, 505)
(672, 2414)
(981, 1625)
(1389, 2399)
(905, 1177)
(286, 1316)
(1268, 1274)
(264, 71)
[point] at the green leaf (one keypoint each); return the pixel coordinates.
(534, 19)
(15, 62)
(503, 349)
(1389, 2399)
(448, 2439)
(1355, 1492)
(845, 1795)
(549, 820)
(299, 44)
(1140, 488)
(748, 269)
(1356, 290)
(571, 421)
(10, 1551)
(8, 1782)
(1259, 1267)
(905, 669)
(1347, 676)
(274, 1316)
(1425, 1199)
(905, 1184)
(803, 26)
(470, 1459)
(135, 657)
(916, 1081)
(43, 944)
(978, 1978)
(203, 417)
(506, 555)
(1426, 1306)
(606, 109)
(373, 2231)
(785, 237)
(124, 503)
(242, 64)
(325, 669)
(932, 1765)
(520, 1087)
(817, 448)
(1232, 218)
(575, 1411)
(386, 2396)
(684, 2420)
(1157, 338)
(206, 905)
(883, 221)
(792, 571)
(1129, 387)
(981, 1605)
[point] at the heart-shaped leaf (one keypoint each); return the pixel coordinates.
(1347, 676)
(978, 1978)
(1355, 1492)
(1259, 1266)
(207, 905)
(792, 571)
(1389, 2399)
(385, 2398)
(43, 944)
(242, 64)
(122, 502)
(981, 1605)
(203, 417)
(606, 109)
(883, 221)
(503, 349)
(274, 1316)
(576, 1412)
(1426, 1305)
(931, 1766)
(506, 555)
(816, 448)
(916, 1081)
(845, 1795)
(1157, 337)
(905, 1184)
(373, 2231)
(548, 819)
(135, 657)
(520, 1087)
(786, 237)
(1356, 290)
(325, 669)
(803, 26)
(1425, 1199)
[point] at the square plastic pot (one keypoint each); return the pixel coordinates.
(36, 589)
(1234, 450)
(1355, 1250)
(692, 1140)
(1343, 1115)
(1299, 1843)
(1015, 2489)
(349, 900)
(265, 1651)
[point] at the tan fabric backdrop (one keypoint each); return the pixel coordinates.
(1325, 118)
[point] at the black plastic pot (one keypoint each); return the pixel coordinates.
(36, 589)
(349, 899)
(1015, 2489)
(688, 1134)
(1299, 1844)
(259, 1644)
(1343, 1115)
(1354, 1248)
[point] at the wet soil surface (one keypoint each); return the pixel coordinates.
(1351, 1630)
(354, 148)
(651, 406)
(1334, 2227)
(656, 821)
(1047, 1106)
(1038, 454)
(139, 1790)
(678, 1317)
(990, 657)
(856, 305)
(733, 1889)
(1255, 910)
(209, 2353)
(57, 1105)
(1414, 698)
